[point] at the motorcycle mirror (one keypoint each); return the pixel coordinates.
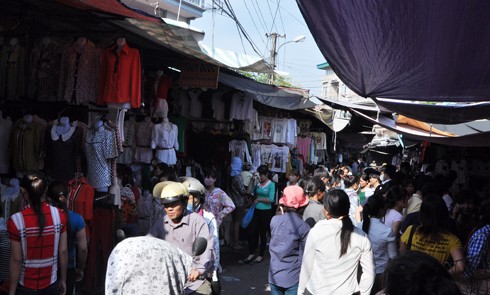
(199, 246)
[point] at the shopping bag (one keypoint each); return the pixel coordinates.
(248, 217)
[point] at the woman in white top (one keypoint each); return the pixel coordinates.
(333, 252)
(383, 240)
(395, 202)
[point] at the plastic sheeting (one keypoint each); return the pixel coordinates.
(274, 96)
(474, 139)
(442, 114)
(412, 49)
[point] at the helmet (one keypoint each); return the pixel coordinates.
(172, 192)
(194, 186)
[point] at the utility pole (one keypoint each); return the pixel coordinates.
(274, 37)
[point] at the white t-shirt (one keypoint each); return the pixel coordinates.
(391, 217)
(279, 158)
(241, 106)
(218, 106)
(265, 153)
(195, 110)
(239, 148)
(292, 132)
(265, 128)
(256, 157)
(320, 140)
(279, 130)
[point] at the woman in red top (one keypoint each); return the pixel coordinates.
(38, 243)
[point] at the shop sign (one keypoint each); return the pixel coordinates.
(198, 73)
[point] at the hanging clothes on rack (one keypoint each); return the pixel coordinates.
(143, 152)
(102, 147)
(239, 148)
(44, 70)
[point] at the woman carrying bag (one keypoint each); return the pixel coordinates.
(257, 229)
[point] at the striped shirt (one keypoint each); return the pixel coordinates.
(39, 253)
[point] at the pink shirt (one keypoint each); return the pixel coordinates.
(218, 203)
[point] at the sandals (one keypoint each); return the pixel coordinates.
(257, 260)
(246, 260)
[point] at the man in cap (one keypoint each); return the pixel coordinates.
(197, 196)
(181, 227)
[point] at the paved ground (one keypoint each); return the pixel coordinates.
(241, 279)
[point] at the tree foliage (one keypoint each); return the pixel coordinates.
(279, 80)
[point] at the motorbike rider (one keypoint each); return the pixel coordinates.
(181, 227)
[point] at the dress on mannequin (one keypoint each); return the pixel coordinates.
(63, 148)
(5, 130)
(164, 141)
(26, 145)
(11, 203)
(100, 148)
(143, 152)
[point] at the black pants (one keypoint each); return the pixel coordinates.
(51, 290)
(70, 281)
(258, 229)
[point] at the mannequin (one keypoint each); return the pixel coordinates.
(27, 119)
(11, 204)
(46, 40)
(81, 42)
(13, 42)
(120, 43)
(63, 126)
(120, 76)
(98, 123)
(164, 139)
(163, 83)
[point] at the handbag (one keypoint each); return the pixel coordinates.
(410, 237)
(248, 217)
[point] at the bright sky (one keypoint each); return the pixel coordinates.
(259, 17)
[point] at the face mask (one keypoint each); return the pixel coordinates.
(382, 177)
(208, 181)
(189, 207)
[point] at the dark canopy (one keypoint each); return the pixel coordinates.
(435, 50)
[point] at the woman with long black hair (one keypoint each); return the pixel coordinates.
(333, 252)
(434, 236)
(38, 242)
(75, 227)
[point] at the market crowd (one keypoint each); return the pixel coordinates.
(349, 229)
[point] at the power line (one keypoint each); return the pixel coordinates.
(241, 30)
(259, 12)
(253, 21)
(273, 16)
(280, 17)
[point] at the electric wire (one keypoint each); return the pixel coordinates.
(253, 22)
(273, 16)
